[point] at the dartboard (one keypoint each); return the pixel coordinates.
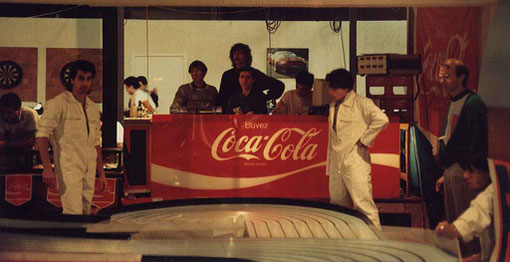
(64, 74)
(10, 74)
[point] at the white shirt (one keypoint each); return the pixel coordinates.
(292, 104)
(141, 95)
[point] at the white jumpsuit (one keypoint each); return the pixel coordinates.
(348, 165)
(475, 221)
(74, 136)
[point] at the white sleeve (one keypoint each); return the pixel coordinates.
(50, 119)
(377, 121)
(477, 217)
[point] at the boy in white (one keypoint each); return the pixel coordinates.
(71, 122)
(354, 123)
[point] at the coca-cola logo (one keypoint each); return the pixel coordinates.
(17, 187)
(228, 146)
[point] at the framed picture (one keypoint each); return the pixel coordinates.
(286, 62)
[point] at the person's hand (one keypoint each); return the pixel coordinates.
(439, 183)
(49, 179)
(102, 183)
(447, 230)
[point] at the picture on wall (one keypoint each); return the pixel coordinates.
(57, 62)
(286, 62)
(18, 72)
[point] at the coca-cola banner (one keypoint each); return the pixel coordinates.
(101, 199)
(444, 33)
(18, 189)
(242, 156)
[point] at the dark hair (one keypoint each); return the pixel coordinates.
(247, 69)
(304, 78)
(340, 78)
(142, 79)
(131, 81)
(81, 65)
(197, 64)
(243, 48)
(460, 69)
(11, 101)
(469, 163)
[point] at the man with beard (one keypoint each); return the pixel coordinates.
(71, 122)
(240, 55)
(297, 102)
(17, 129)
(465, 136)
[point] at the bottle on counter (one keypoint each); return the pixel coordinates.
(140, 112)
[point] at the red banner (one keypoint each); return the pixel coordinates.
(18, 189)
(444, 33)
(243, 156)
(99, 200)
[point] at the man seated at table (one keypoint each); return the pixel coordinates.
(197, 95)
(298, 101)
(17, 130)
(249, 101)
(138, 97)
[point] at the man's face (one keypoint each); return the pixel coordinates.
(197, 75)
(246, 81)
(475, 179)
(337, 94)
(9, 115)
(130, 89)
(82, 83)
(239, 59)
(303, 90)
(449, 80)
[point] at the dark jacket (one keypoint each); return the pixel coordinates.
(469, 137)
(230, 85)
(255, 102)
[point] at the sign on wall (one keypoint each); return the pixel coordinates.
(444, 33)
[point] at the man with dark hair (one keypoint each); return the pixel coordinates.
(249, 101)
(476, 220)
(197, 95)
(297, 102)
(138, 96)
(71, 122)
(354, 123)
(240, 55)
(152, 92)
(465, 135)
(18, 125)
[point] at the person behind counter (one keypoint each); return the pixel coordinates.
(197, 95)
(18, 126)
(71, 121)
(250, 100)
(477, 219)
(240, 56)
(142, 80)
(138, 96)
(298, 101)
(354, 123)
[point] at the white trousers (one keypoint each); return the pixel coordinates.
(354, 184)
(76, 190)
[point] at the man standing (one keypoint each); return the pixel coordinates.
(197, 95)
(17, 129)
(354, 123)
(249, 100)
(240, 55)
(297, 102)
(465, 136)
(71, 122)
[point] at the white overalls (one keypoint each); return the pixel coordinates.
(73, 135)
(348, 165)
